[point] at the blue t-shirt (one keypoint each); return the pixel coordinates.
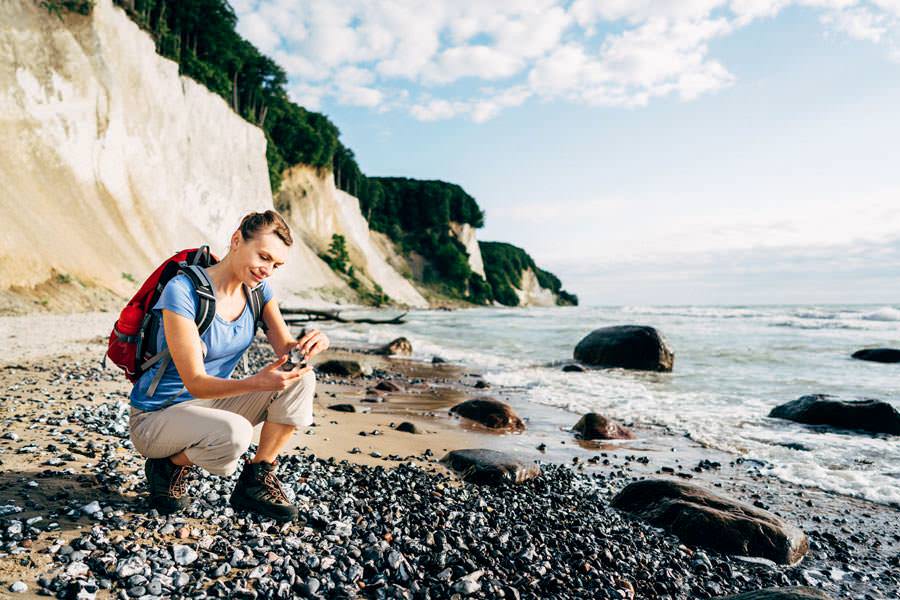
(225, 341)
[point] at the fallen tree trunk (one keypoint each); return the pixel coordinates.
(305, 315)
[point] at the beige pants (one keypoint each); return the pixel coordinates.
(214, 434)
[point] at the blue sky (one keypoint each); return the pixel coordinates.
(646, 151)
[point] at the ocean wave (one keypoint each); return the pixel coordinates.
(805, 325)
(699, 312)
(815, 313)
(886, 313)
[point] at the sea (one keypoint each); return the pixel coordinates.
(733, 364)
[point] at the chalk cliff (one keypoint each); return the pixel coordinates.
(531, 293)
(465, 233)
(317, 210)
(112, 161)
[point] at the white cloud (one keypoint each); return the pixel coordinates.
(480, 61)
(435, 110)
(382, 54)
(257, 30)
(658, 58)
(858, 23)
(588, 12)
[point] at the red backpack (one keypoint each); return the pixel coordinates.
(132, 342)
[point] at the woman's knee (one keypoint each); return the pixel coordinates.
(239, 434)
(221, 457)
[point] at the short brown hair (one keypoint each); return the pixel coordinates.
(259, 222)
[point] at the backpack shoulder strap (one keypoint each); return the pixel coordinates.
(203, 285)
(202, 256)
(255, 298)
(206, 312)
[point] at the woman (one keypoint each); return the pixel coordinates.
(198, 414)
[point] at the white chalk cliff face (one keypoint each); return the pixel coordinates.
(111, 161)
(531, 293)
(465, 233)
(316, 210)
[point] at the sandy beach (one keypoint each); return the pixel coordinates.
(61, 449)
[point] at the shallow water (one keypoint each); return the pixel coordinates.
(732, 365)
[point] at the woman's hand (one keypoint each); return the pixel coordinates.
(312, 343)
(272, 379)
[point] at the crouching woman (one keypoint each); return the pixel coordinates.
(198, 414)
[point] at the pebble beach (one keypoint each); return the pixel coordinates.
(382, 515)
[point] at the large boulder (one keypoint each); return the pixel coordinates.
(882, 355)
(874, 416)
(398, 347)
(491, 467)
(627, 347)
(340, 368)
(491, 413)
(594, 426)
(387, 386)
(408, 427)
(701, 518)
(349, 408)
(780, 593)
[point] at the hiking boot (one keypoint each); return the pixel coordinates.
(258, 490)
(167, 484)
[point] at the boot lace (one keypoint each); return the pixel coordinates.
(178, 486)
(273, 486)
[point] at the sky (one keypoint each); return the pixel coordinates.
(645, 151)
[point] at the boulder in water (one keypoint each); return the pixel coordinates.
(780, 593)
(626, 346)
(341, 368)
(882, 355)
(594, 426)
(398, 347)
(573, 368)
(874, 416)
(701, 518)
(492, 467)
(490, 413)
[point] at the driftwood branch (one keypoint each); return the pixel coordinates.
(305, 315)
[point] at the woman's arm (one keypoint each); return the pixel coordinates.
(279, 334)
(183, 341)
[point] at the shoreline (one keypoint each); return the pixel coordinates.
(841, 559)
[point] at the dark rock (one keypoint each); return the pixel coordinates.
(627, 347)
(573, 369)
(490, 413)
(874, 416)
(492, 467)
(408, 427)
(341, 368)
(436, 360)
(398, 347)
(702, 518)
(387, 386)
(882, 355)
(348, 408)
(785, 593)
(593, 426)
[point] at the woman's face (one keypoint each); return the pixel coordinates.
(257, 258)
